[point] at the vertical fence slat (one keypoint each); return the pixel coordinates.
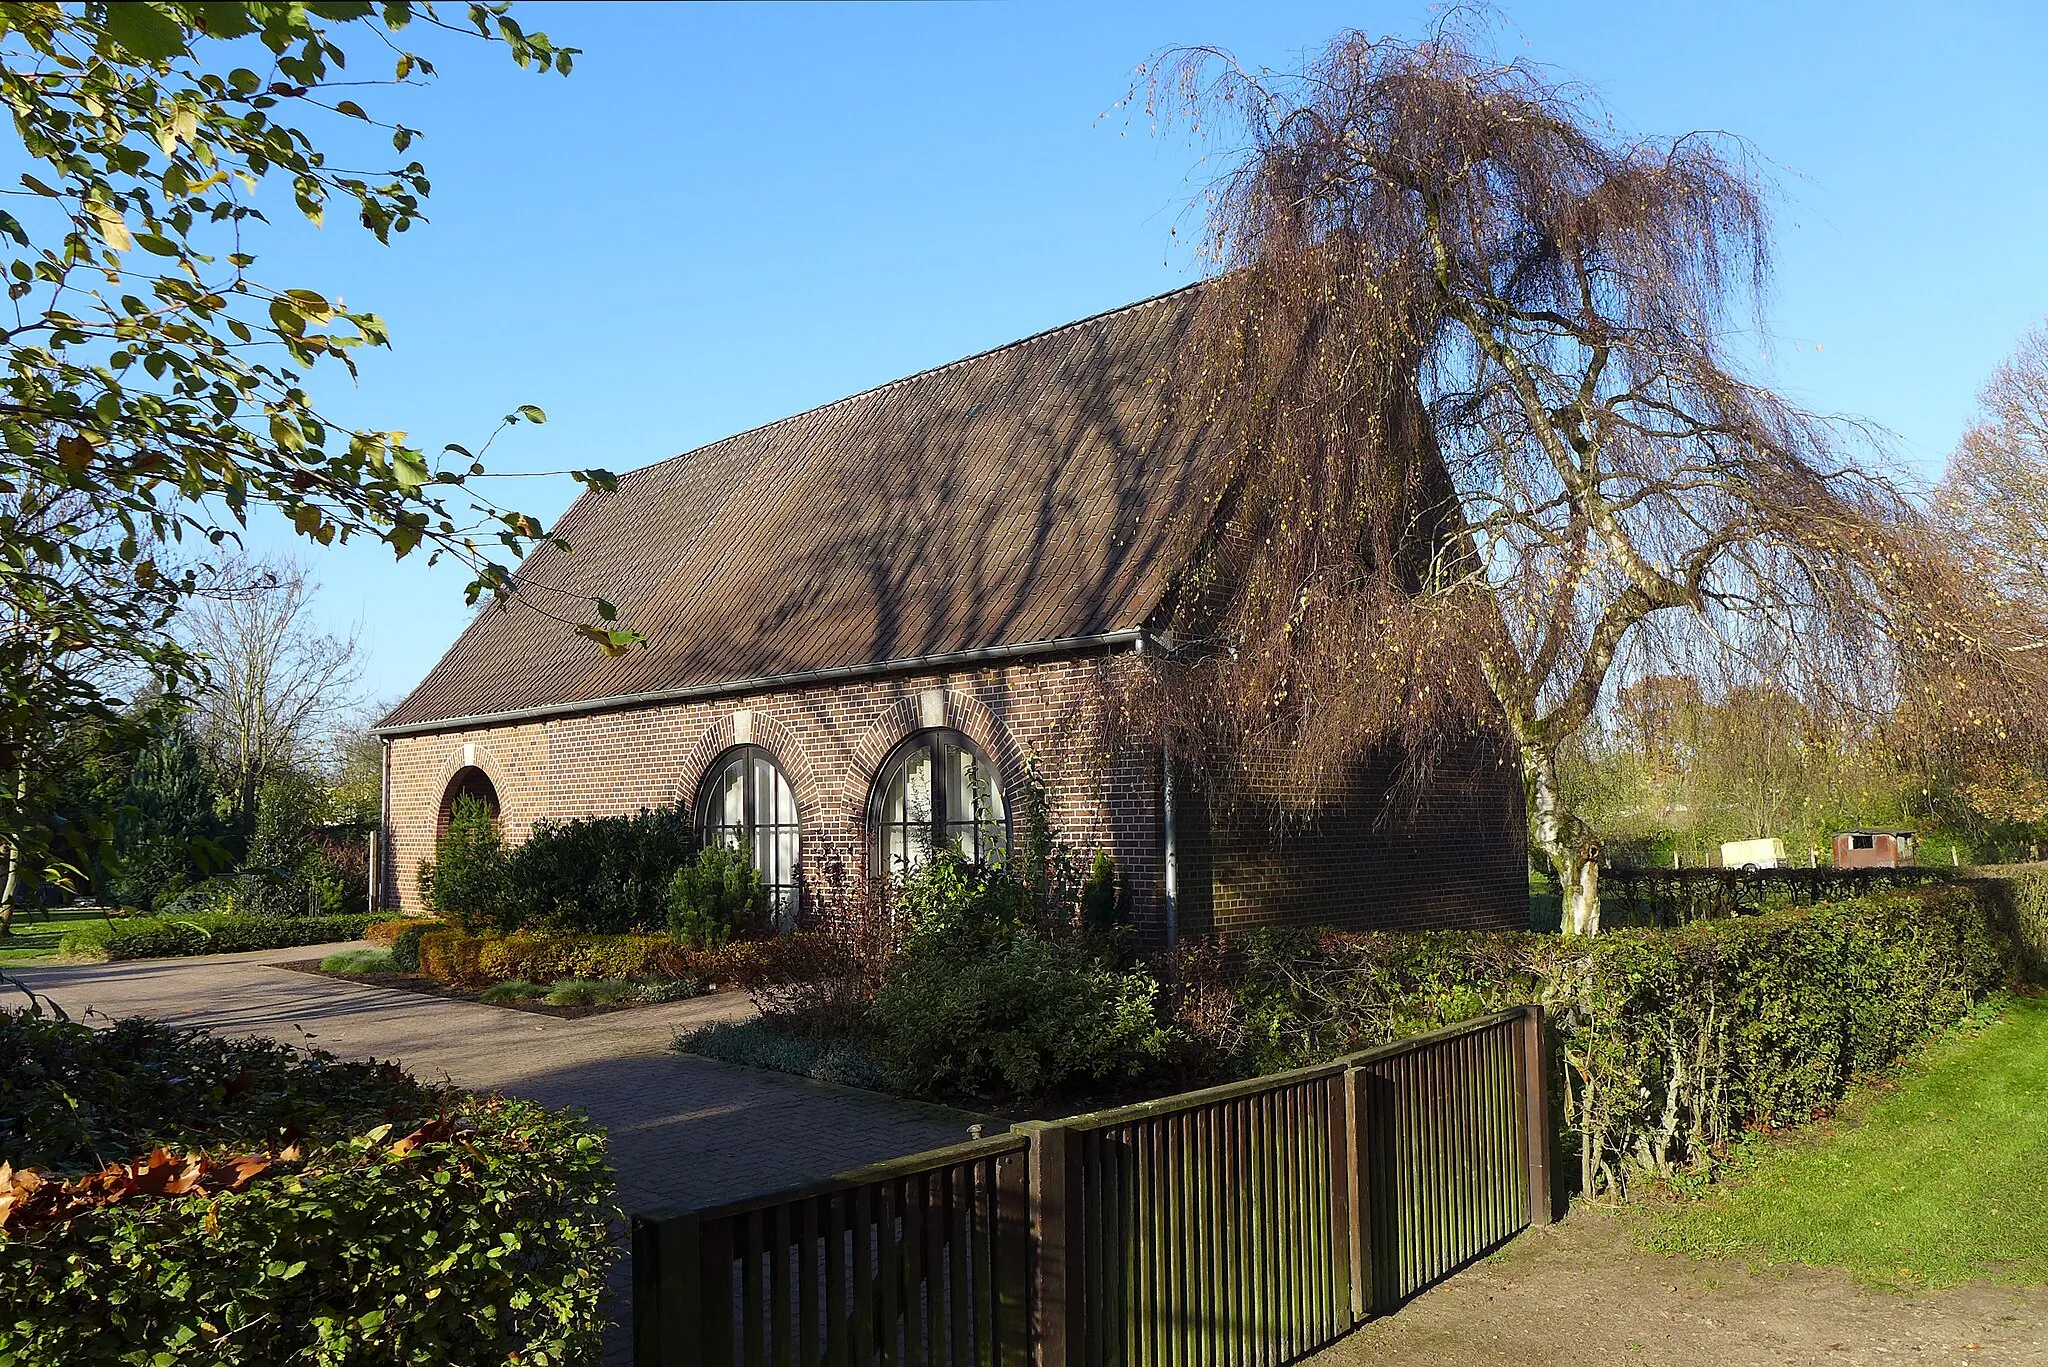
(1010, 1237)
(838, 1290)
(810, 1271)
(716, 1291)
(864, 1344)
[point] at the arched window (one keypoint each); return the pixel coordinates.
(937, 791)
(747, 801)
(468, 781)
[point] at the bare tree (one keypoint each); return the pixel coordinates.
(1981, 716)
(1996, 489)
(276, 685)
(1482, 445)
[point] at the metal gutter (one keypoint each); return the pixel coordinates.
(1130, 636)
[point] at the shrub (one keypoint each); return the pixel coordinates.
(809, 982)
(405, 945)
(214, 897)
(384, 934)
(359, 961)
(70, 1095)
(151, 938)
(378, 1219)
(468, 881)
(478, 1238)
(1103, 906)
(716, 897)
(464, 960)
(452, 957)
(1673, 1042)
(949, 901)
(600, 876)
(1026, 1016)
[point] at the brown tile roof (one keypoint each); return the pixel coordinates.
(1023, 495)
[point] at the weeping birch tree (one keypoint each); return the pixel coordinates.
(1469, 366)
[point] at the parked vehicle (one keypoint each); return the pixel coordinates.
(1753, 854)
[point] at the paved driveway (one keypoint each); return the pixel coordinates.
(684, 1131)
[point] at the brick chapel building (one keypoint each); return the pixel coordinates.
(869, 626)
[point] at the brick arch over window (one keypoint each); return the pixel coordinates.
(906, 717)
(476, 755)
(771, 735)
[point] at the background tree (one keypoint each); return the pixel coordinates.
(171, 830)
(276, 687)
(1481, 442)
(1984, 731)
(63, 667)
(152, 373)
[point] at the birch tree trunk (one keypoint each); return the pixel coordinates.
(11, 889)
(1568, 843)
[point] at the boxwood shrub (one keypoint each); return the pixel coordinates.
(406, 1225)
(145, 937)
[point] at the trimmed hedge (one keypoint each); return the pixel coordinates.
(1671, 1042)
(409, 1225)
(144, 937)
(465, 960)
(70, 1096)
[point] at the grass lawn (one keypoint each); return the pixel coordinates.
(36, 937)
(1929, 1181)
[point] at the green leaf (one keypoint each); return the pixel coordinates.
(530, 413)
(145, 30)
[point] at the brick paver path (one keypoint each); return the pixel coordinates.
(684, 1131)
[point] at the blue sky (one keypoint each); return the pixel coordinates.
(728, 214)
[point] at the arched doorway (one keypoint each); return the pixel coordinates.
(470, 782)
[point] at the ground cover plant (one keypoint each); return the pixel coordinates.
(359, 961)
(148, 937)
(256, 1205)
(1929, 1182)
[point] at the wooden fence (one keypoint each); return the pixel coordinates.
(1239, 1226)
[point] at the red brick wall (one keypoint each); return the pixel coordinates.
(1456, 857)
(829, 739)
(1464, 865)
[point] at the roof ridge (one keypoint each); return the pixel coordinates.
(1026, 340)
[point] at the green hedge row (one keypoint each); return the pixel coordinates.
(146, 937)
(1671, 1043)
(71, 1098)
(482, 1238)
